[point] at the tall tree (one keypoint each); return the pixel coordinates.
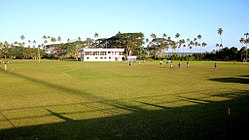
(29, 41)
(89, 42)
(147, 40)
(164, 35)
(1, 45)
(129, 41)
(199, 38)
(52, 39)
(45, 40)
(79, 39)
(191, 44)
(204, 44)
(246, 41)
(39, 54)
(183, 45)
(220, 32)
(217, 45)
(177, 35)
(96, 35)
(158, 45)
(59, 39)
(22, 38)
(178, 43)
(153, 36)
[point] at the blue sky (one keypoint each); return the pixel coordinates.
(82, 18)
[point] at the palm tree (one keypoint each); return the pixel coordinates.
(199, 37)
(153, 36)
(39, 55)
(96, 35)
(45, 40)
(1, 45)
(59, 39)
(220, 31)
(242, 41)
(89, 42)
(177, 35)
(52, 39)
(22, 38)
(147, 40)
(217, 45)
(246, 41)
(183, 42)
(44, 37)
(164, 35)
(204, 44)
(191, 44)
(79, 39)
(96, 43)
(178, 42)
(29, 41)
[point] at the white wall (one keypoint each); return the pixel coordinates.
(101, 54)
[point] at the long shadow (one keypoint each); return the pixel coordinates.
(199, 121)
(55, 86)
(76, 92)
(244, 75)
(59, 115)
(231, 80)
(155, 105)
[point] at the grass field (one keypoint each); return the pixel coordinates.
(109, 100)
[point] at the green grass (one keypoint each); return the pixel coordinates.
(109, 100)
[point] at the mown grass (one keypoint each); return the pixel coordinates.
(110, 100)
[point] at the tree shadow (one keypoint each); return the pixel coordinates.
(244, 75)
(202, 120)
(231, 80)
(199, 121)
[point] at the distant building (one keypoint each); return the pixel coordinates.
(101, 54)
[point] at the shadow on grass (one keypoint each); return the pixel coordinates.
(244, 76)
(204, 119)
(240, 80)
(200, 121)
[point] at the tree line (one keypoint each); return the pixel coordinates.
(155, 47)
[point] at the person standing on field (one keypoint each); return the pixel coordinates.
(187, 64)
(5, 65)
(179, 65)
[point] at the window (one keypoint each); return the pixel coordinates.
(95, 53)
(110, 57)
(87, 57)
(88, 53)
(101, 57)
(96, 57)
(120, 53)
(102, 53)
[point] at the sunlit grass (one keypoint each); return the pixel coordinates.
(35, 93)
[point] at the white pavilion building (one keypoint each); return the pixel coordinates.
(102, 54)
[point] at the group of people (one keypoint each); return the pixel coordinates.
(171, 64)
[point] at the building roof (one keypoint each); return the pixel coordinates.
(103, 49)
